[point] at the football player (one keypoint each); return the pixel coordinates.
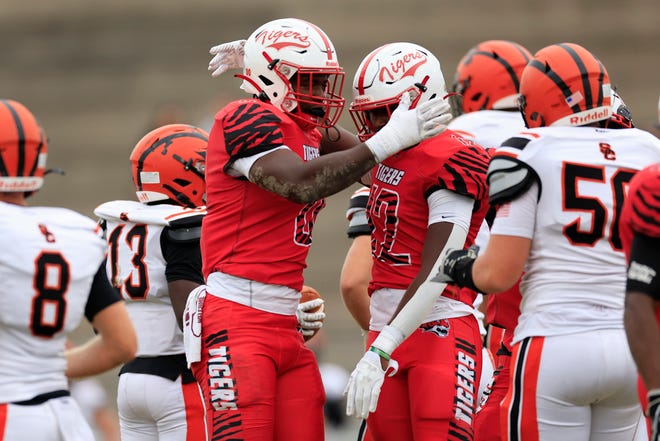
(52, 268)
(154, 260)
(486, 84)
(421, 200)
(356, 269)
(559, 187)
(640, 236)
(268, 172)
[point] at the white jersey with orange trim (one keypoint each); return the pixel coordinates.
(488, 128)
(48, 262)
(136, 266)
(567, 186)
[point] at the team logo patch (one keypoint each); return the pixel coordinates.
(438, 327)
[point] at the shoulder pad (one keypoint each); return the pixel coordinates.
(358, 202)
(358, 225)
(164, 214)
(183, 235)
(509, 177)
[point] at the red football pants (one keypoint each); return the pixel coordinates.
(433, 396)
(487, 420)
(260, 382)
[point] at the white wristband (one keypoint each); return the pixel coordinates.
(384, 144)
(389, 339)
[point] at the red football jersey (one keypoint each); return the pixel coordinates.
(640, 213)
(250, 232)
(398, 209)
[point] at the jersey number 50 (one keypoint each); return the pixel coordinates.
(573, 201)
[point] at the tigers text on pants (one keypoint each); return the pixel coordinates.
(434, 394)
(260, 382)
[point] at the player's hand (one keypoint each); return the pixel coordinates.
(457, 267)
(364, 384)
(653, 412)
(408, 127)
(226, 56)
(310, 322)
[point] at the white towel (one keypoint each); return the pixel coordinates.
(192, 325)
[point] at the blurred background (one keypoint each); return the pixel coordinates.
(98, 75)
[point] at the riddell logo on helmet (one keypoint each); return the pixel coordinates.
(281, 39)
(583, 118)
(12, 184)
(408, 64)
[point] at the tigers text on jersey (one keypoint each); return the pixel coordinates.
(49, 259)
(136, 267)
(250, 232)
(488, 128)
(575, 275)
(398, 210)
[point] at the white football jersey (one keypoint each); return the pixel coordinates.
(47, 265)
(575, 275)
(136, 266)
(488, 128)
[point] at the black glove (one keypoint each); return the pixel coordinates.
(653, 413)
(457, 267)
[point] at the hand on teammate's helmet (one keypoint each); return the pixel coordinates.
(408, 127)
(310, 322)
(363, 388)
(226, 56)
(653, 412)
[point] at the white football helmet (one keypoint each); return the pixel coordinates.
(387, 73)
(279, 50)
(621, 117)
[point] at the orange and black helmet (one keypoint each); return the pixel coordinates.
(23, 149)
(564, 85)
(168, 163)
(488, 76)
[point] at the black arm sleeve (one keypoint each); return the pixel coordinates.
(644, 266)
(101, 295)
(182, 253)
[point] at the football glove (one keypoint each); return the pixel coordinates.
(310, 322)
(226, 56)
(457, 267)
(408, 127)
(653, 413)
(364, 384)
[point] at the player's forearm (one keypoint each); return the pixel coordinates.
(319, 178)
(115, 343)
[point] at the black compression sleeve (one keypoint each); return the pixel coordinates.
(182, 254)
(101, 295)
(644, 266)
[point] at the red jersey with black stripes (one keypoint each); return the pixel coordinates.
(641, 211)
(399, 212)
(250, 232)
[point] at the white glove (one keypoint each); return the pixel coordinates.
(364, 384)
(310, 322)
(226, 56)
(408, 127)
